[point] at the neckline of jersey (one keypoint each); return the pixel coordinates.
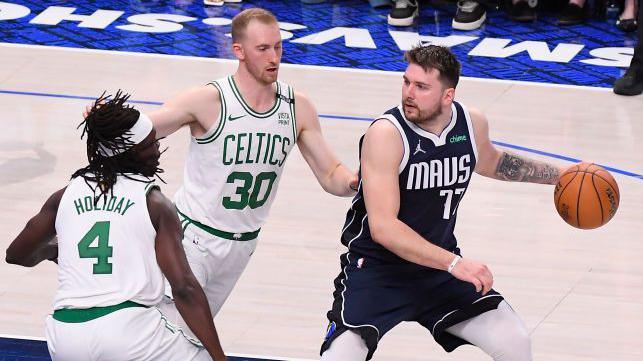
(437, 140)
(245, 104)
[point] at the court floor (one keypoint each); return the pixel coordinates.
(579, 292)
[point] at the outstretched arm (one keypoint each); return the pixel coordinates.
(331, 174)
(197, 107)
(170, 256)
(382, 152)
(37, 242)
(499, 164)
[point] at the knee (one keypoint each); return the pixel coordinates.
(349, 346)
(515, 346)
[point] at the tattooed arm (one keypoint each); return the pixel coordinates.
(517, 168)
(498, 164)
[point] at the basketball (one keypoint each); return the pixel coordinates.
(586, 196)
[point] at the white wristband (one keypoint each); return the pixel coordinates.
(454, 263)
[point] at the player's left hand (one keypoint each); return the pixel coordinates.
(475, 273)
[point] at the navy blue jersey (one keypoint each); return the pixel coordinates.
(434, 175)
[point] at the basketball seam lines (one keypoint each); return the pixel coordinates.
(598, 195)
(618, 193)
(613, 186)
(564, 188)
(592, 173)
(580, 191)
(596, 174)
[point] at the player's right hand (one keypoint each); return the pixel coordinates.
(88, 108)
(474, 272)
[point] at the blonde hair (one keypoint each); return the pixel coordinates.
(240, 21)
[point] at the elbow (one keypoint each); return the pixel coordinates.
(335, 190)
(378, 232)
(384, 229)
(327, 181)
(378, 238)
(334, 183)
(325, 184)
(184, 289)
(11, 258)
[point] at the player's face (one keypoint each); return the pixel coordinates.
(261, 51)
(147, 152)
(422, 94)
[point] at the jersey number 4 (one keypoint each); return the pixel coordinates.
(249, 189)
(102, 251)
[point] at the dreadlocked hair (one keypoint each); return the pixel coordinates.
(107, 128)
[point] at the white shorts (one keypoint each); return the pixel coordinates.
(217, 263)
(135, 333)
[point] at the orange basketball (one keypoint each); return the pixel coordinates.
(586, 196)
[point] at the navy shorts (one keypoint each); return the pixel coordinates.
(371, 297)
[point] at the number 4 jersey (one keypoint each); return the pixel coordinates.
(106, 248)
(433, 176)
(232, 171)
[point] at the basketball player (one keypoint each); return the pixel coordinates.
(117, 235)
(243, 127)
(415, 164)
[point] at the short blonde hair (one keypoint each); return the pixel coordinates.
(240, 21)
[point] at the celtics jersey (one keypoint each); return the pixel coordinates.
(232, 171)
(106, 248)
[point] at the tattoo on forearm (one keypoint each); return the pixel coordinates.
(516, 168)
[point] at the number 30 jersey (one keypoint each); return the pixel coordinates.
(232, 172)
(106, 252)
(433, 177)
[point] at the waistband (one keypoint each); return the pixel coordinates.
(77, 315)
(245, 236)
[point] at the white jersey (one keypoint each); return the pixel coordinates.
(232, 171)
(106, 250)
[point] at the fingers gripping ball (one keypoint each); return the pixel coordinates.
(586, 196)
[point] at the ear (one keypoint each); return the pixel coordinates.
(237, 49)
(448, 95)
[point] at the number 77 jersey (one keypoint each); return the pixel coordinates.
(232, 172)
(434, 174)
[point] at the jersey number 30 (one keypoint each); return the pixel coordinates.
(102, 251)
(249, 189)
